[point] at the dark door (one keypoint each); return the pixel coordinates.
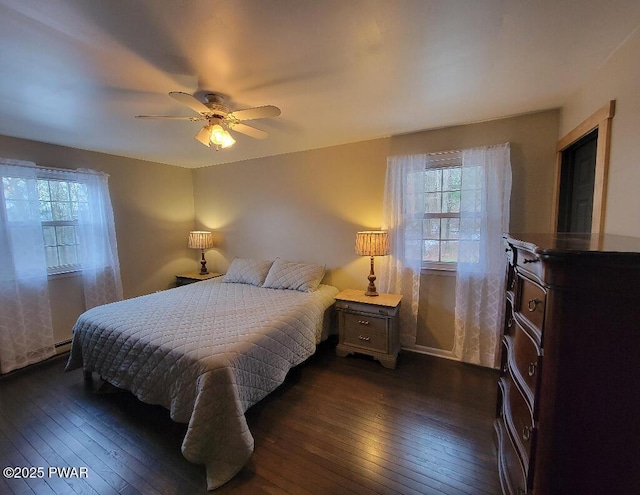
(577, 179)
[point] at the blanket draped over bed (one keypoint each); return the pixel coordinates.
(207, 352)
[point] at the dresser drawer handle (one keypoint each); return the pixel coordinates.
(362, 337)
(532, 369)
(363, 322)
(537, 260)
(533, 304)
(526, 433)
(510, 322)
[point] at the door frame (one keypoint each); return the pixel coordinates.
(600, 120)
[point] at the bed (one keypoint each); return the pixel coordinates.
(208, 351)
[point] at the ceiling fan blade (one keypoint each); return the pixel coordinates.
(250, 131)
(204, 136)
(256, 113)
(171, 117)
(190, 101)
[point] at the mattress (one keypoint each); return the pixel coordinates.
(207, 352)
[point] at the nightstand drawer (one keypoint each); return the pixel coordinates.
(370, 308)
(366, 331)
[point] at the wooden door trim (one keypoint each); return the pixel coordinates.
(600, 120)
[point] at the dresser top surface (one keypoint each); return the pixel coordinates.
(567, 243)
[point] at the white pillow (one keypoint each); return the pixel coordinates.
(304, 277)
(247, 271)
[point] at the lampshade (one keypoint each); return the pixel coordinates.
(372, 243)
(200, 239)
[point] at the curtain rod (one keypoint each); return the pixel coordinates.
(27, 164)
(444, 152)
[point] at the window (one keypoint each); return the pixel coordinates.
(450, 214)
(60, 202)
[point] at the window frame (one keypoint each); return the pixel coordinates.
(441, 161)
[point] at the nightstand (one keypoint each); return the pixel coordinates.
(369, 325)
(189, 278)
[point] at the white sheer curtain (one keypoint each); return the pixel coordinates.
(402, 217)
(26, 331)
(98, 251)
(484, 216)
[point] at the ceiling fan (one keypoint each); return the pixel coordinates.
(219, 119)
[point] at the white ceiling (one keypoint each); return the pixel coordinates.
(76, 72)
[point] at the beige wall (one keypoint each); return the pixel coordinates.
(618, 79)
(153, 210)
(301, 206)
(308, 205)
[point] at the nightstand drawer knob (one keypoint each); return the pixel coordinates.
(363, 322)
(362, 337)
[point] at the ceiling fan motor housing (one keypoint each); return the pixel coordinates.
(216, 105)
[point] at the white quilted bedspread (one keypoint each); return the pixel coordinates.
(207, 352)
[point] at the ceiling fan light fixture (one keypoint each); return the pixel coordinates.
(217, 134)
(228, 140)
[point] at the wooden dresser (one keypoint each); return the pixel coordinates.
(568, 413)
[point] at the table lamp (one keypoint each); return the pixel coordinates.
(201, 239)
(372, 243)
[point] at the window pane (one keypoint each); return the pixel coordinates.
(43, 190)
(61, 211)
(68, 255)
(432, 202)
(472, 178)
(413, 230)
(14, 188)
(449, 251)
(52, 256)
(413, 204)
(433, 180)
(49, 234)
(413, 249)
(451, 178)
(469, 252)
(451, 202)
(45, 211)
(431, 251)
(470, 228)
(59, 190)
(431, 228)
(66, 235)
(450, 228)
(17, 210)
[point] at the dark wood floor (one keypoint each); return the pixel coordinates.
(337, 425)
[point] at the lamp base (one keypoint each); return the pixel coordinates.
(371, 289)
(203, 264)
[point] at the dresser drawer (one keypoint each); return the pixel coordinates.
(366, 331)
(531, 303)
(512, 476)
(518, 420)
(525, 361)
(528, 262)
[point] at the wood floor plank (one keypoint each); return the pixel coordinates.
(337, 425)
